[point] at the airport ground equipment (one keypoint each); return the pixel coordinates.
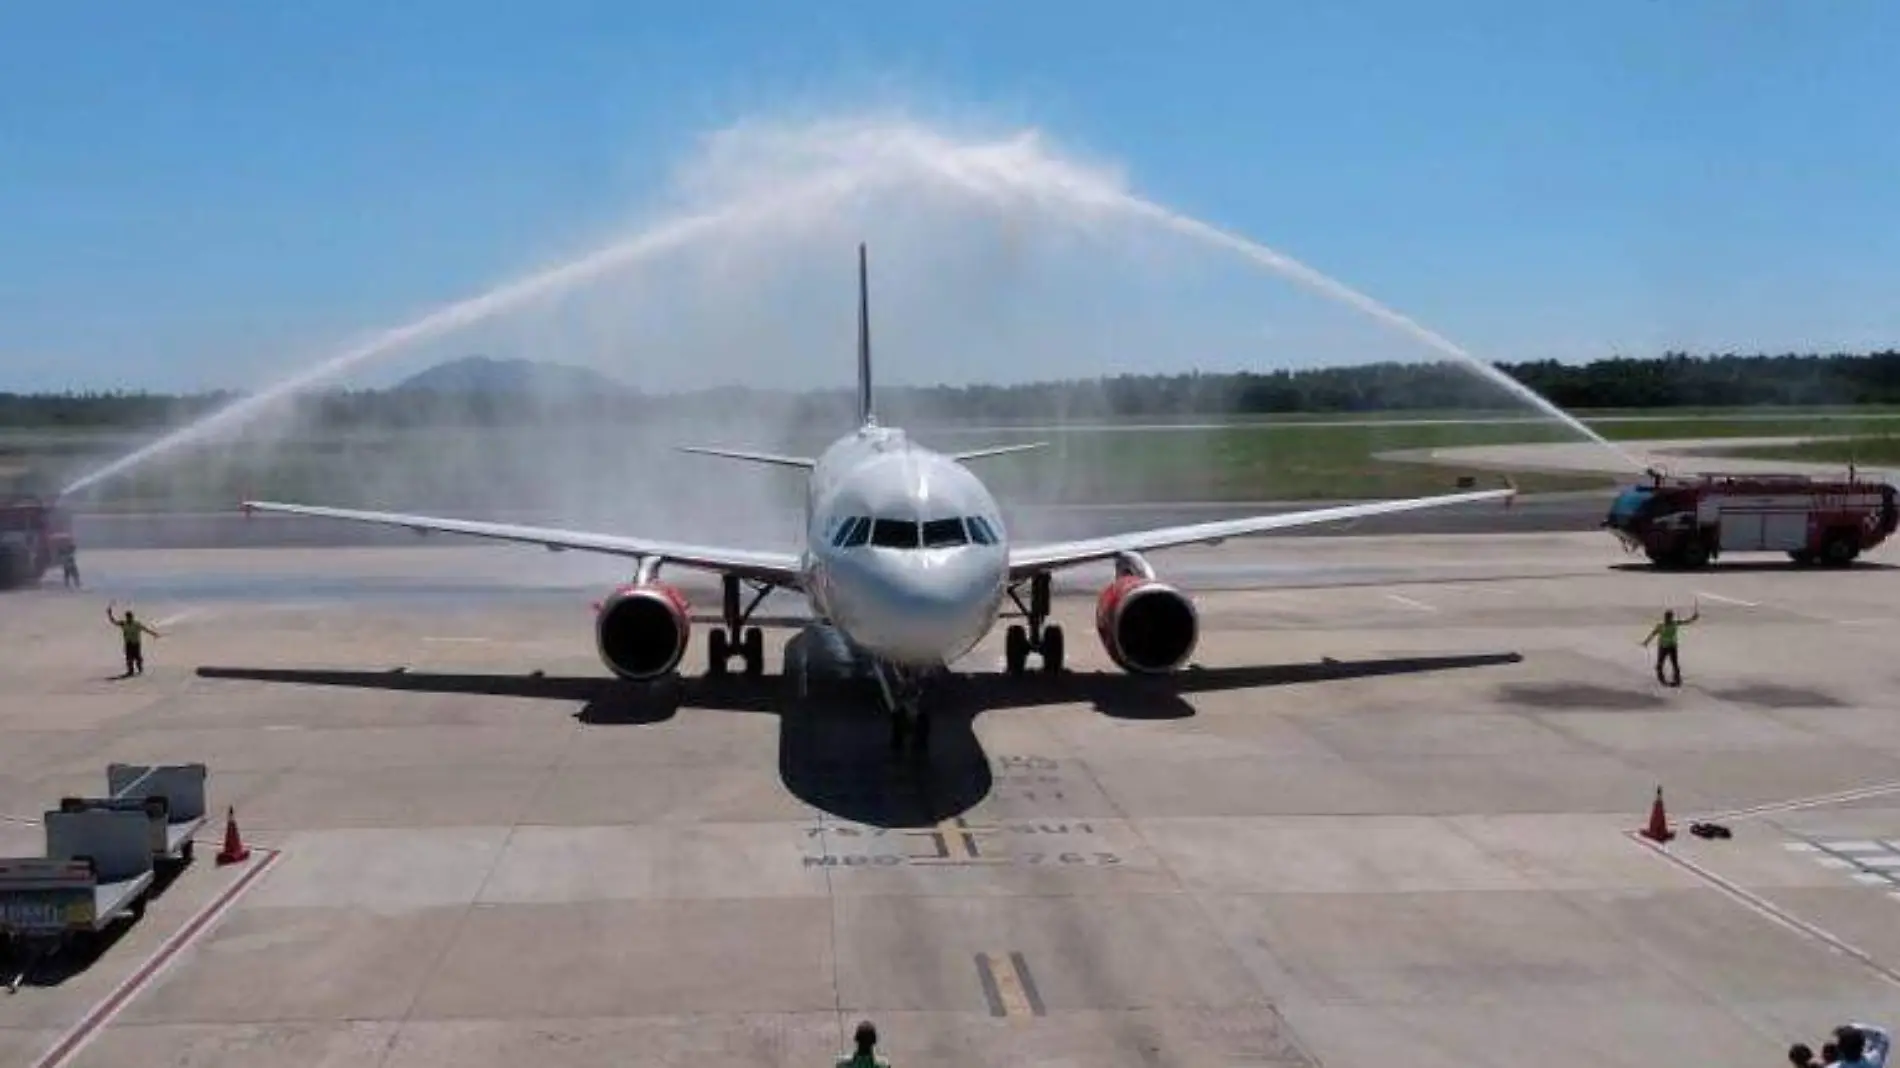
(180, 791)
(102, 855)
(98, 868)
(1687, 522)
(31, 531)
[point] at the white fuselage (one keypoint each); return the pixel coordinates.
(906, 553)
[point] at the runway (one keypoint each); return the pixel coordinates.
(1388, 814)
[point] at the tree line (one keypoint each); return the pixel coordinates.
(1671, 381)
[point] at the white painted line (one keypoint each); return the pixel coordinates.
(1835, 862)
(1862, 622)
(1707, 596)
(1800, 847)
(101, 1014)
(1869, 878)
(178, 617)
(1859, 794)
(1890, 860)
(1768, 910)
(1420, 605)
(1854, 846)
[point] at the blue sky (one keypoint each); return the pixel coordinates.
(199, 195)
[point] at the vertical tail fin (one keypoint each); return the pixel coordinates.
(865, 415)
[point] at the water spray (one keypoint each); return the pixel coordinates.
(852, 158)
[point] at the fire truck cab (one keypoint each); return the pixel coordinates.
(32, 532)
(1687, 522)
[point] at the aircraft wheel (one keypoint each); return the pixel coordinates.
(1015, 649)
(717, 650)
(1052, 649)
(754, 652)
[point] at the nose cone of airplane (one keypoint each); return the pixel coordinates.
(921, 606)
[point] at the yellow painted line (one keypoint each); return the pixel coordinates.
(1006, 986)
(955, 842)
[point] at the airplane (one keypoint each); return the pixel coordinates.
(906, 558)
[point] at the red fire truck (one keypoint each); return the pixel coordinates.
(1687, 522)
(31, 533)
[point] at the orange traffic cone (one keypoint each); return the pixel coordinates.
(1658, 829)
(234, 848)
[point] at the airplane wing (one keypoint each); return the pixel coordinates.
(805, 462)
(1030, 559)
(995, 450)
(778, 569)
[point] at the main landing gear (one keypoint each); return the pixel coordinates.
(725, 643)
(1041, 636)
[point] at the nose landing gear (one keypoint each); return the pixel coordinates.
(1040, 637)
(903, 695)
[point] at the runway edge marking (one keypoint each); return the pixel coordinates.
(82, 1033)
(1769, 910)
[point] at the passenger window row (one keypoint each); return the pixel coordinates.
(910, 534)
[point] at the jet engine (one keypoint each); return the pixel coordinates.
(642, 630)
(1147, 626)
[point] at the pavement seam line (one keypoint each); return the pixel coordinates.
(104, 1011)
(1770, 910)
(474, 902)
(1286, 1032)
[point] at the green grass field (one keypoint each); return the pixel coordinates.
(1867, 449)
(1308, 457)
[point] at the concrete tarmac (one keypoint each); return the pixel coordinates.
(1387, 819)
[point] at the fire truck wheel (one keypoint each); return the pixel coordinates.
(1693, 555)
(1840, 550)
(1801, 557)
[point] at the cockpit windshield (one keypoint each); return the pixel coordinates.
(944, 533)
(886, 533)
(894, 533)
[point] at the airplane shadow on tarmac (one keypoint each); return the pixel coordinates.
(834, 743)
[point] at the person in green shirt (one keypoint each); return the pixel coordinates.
(1664, 635)
(866, 1055)
(132, 630)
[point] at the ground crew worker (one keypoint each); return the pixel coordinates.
(132, 630)
(69, 562)
(1664, 634)
(1861, 1046)
(866, 1056)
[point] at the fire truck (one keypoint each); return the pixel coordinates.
(32, 531)
(1687, 522)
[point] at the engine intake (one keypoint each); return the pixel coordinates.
(1146, 626)
(642, 630)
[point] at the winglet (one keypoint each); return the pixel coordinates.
(866, 417)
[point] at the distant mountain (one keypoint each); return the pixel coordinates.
(483, 374)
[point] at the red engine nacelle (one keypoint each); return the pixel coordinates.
(642, 630)
(1146, 626)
